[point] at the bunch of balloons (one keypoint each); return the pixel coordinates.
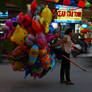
(31, 34)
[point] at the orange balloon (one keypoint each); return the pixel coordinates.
(56, 1)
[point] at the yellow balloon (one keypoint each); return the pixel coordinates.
(81, 28)
(18, 66)
(19, 35)
(28, 6)
(41, 20)
(47, 28)
(47, 14)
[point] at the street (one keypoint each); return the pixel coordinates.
(33, 33)
(11, 81)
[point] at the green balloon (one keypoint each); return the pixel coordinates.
(90, 28)
(87, 4)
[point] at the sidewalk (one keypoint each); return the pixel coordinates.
(86, 55)
(3, 58)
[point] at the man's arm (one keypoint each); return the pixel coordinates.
(60, 42)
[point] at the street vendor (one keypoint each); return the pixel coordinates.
(65, 65)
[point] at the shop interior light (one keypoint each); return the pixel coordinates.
(2, 24)
(84, 25)
(63, 23)
(1, 32)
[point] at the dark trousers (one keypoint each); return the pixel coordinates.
(65, 68)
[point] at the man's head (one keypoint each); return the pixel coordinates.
(69, 31)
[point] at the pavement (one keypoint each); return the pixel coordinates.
(87, 55)
(11, 81)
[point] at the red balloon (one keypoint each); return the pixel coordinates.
(53, 11)
(33, 6)
(20, 17)
(36, 26)
(29, 30)
(66, 2)
(26, 20)
(43, 28)
(81, 3)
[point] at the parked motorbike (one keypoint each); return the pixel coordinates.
(76, 49)
(78, 39)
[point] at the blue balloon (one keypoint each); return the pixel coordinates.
(84, 25)
(51, 28)
(34, 52)
(38, 63)
(72, 3)
(53, 61)
(13, 19)
(35, 46)
(31, 59)
(27, 72)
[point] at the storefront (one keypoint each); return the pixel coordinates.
(11, 12)
(3, 17)
(68, 16)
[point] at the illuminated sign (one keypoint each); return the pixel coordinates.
(68, 14)
(3, 14)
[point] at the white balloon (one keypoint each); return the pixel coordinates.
(37, 17)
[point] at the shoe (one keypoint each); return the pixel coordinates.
(63, 81)
(69, 83)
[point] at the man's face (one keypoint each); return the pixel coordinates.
(72, 34)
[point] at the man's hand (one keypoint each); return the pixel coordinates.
(53, 45)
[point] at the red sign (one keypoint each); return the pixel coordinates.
(69, 13)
